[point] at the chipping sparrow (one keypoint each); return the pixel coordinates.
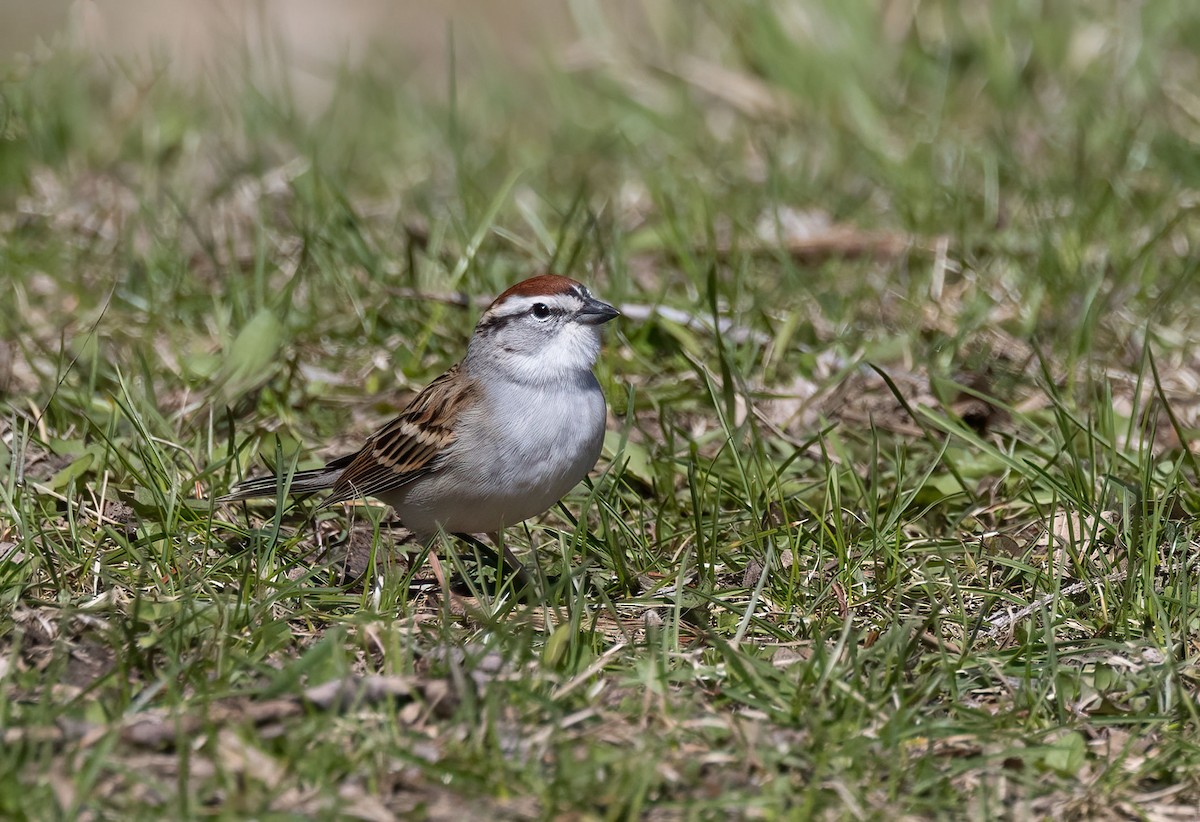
(498, 438)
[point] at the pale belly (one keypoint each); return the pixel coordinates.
(522, 460)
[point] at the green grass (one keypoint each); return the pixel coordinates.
(913, 535)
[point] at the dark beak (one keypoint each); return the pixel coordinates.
(595, 312)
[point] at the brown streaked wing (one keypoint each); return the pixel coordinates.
(407, 447)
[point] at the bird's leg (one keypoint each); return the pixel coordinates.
(486, 554)
(435, 565)
(509, 562)
(512, 560)
(547, 581)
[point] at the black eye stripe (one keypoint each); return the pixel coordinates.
(491, 323)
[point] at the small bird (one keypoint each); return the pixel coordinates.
(498, 438)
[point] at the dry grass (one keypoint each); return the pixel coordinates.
(897, 510)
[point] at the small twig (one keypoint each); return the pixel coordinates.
(587, 674)
(999, 623)
(638, 312)
(938, 643)
(733, 333)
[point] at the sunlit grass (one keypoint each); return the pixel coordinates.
(913, 530)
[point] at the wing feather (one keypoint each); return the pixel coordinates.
(409, 446)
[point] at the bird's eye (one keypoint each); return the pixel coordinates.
(541, 310)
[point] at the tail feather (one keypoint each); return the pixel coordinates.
(303, 482)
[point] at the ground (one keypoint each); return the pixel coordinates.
(896, 516)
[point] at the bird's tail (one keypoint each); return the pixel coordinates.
(303, 482)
